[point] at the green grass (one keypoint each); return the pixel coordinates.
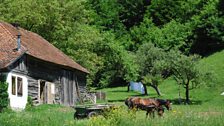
(207, 107)
(215, 64)
(208, 113)
(44, 115)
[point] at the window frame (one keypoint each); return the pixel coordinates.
(13, 89)
(17, 89)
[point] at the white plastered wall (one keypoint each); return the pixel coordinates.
(17, 102)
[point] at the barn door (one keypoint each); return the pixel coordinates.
(46, 92)
(68, 88)
(42, 92)
(50, 93)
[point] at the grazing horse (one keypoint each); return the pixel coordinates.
(150, 105)
(147, 104)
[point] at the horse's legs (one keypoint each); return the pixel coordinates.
(160, 111)
(147, 113)
(153, 113)
(150, 114)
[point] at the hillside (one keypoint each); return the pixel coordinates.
(215, 64)
(204, 94)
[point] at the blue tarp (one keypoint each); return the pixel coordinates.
(137, 86)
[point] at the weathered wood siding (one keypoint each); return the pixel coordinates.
(65, 80)
(68, 87)
(40, 70)
(19, 66)
(73, 83)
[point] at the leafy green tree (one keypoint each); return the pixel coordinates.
(119, 64)
(84, 46)
(106, 14)
(132, 12)
(54, 20)
(173, 35)
(185, 71)
(119, 15)
(152, 66)
(207, 29)
(162, 12)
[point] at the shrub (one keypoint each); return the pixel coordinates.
(29, 103)
(118, 117)
(4, 101)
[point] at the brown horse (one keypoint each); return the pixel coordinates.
(151, 105)
(147, 104)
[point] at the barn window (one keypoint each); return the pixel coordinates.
(13, 85)
(19, 87)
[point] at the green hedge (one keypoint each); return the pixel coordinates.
(4, 101)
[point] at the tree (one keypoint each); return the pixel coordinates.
(172, 35)
(162, 12)
(54, 20)
(106, 14)
(208, 36)
(84, 45)
(151, 65)
(132, 12)
(185, 71)
(119, 64)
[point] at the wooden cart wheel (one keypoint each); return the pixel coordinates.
(92, 114)
(76, 116)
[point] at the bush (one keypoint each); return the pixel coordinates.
(118, 117)
(29, 103)
(4, 101)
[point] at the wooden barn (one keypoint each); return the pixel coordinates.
(33, 67)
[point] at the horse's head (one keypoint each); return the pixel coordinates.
(168, 105)
(127, 102)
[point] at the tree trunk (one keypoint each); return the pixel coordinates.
(179, 95)
(128, 87)
(187, 93)
(157, 89)
(145, 89)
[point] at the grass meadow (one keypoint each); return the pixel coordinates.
(200, 113)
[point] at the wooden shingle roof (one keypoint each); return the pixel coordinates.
(31, 44)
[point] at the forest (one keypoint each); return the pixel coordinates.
(128, 40)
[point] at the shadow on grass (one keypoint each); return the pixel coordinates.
(182, 102)
(118, 91)
(120, 100)
(138, 95)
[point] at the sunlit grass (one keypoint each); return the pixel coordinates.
(44, 115)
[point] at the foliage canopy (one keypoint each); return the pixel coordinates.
(107, 37)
